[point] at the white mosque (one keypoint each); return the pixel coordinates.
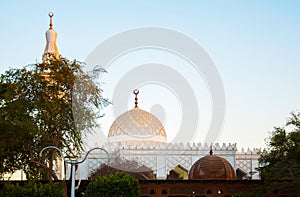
(138, 135)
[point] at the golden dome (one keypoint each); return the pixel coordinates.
(137, 125)
(212, 167)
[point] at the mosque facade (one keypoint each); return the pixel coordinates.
(137, 135)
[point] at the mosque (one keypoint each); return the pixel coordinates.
(137, 135)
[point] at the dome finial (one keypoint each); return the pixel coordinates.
(210, 151)
(50, 15)
(136, 92)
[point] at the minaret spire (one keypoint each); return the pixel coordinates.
(51, 36)
(136, 92)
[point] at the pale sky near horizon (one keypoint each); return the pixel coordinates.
(254, 44)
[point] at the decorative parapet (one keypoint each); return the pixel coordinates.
(175, 146)
(254, 153)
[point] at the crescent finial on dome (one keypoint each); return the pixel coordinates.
(50, 15)
(136, 92)
(210, 151)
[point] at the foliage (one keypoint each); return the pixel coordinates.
(119, 184)
(34, 189)
(280, 163)
(40, 105)
(133, 168)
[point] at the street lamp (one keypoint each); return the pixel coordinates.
(72, 162)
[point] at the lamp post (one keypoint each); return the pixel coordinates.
(72, 162)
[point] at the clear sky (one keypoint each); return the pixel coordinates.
(255, 46)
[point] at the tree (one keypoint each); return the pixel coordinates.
(281, 160)
(131, 167)
(40, 105)
(119, 184)
(33, 189)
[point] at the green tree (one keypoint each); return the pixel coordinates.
(34, 189)
(281, 160)
(51, 103)
(119, 184)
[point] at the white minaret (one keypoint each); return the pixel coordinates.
(51, 36)
(51, 49)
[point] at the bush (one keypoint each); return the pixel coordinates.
(119, 184)
(34, 189)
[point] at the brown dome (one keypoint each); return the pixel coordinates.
(212, 167)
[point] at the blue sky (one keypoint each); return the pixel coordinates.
(254, 44)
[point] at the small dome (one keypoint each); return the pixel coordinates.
(137, 125)
(212, 167)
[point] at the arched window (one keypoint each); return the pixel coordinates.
(164, 191)
(152, 191)
(208, 191)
